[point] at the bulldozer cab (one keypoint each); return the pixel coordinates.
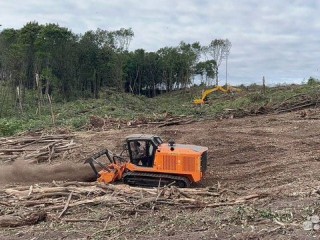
(142, 149)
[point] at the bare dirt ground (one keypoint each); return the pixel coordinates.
(274, 156)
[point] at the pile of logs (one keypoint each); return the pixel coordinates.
(56, 199)
(99, 123)
(297, 102)
(36, 149)
(294, 103)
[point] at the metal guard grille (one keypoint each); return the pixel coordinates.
(170, 163)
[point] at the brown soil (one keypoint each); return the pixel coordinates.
(277, 155)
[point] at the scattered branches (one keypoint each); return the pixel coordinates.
(36, 149)
(122, 198)
(98, 123)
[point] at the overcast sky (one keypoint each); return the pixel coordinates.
(278, 39)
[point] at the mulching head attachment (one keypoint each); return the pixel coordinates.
(110, 172)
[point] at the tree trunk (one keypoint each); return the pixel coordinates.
(23, 219)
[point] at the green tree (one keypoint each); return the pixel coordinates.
(206, 69)
(27, 37)
(190, 54)
(55, 46)
(120, 40)
(134, 71)
(168, 64)
(218, 49)
(13, 65)
(152, 73)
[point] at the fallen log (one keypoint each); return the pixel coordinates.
(51, 191)
(32, 203)
(296, 107)
(24, 219)
(108, 200)
(10, 150)
(83, 220)
(5, 203)
(179, 122)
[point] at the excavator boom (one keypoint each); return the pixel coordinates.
(206, 93)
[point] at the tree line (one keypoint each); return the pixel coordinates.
(50, 60)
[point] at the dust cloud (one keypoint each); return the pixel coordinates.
(22, 172)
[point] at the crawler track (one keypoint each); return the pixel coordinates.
(153, 180)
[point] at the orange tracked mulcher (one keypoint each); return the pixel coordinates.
(151, 162)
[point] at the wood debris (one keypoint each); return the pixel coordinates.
(102, 124)
(296, 102)
(35, 149)
(24, 218)
(57, 199)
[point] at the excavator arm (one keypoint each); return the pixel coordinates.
(207, 92)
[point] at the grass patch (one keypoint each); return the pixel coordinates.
(123, 106)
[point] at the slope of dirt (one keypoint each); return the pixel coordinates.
(274, 155)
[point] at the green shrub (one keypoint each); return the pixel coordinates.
(9, 127)
(257, 97)
(78, 123)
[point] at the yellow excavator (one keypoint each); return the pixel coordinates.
(206, 93)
